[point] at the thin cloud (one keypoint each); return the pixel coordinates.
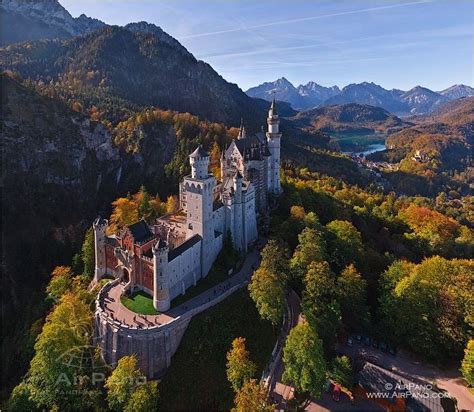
(443, 32)
(302, 19)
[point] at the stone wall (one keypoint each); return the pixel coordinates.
(154, 346)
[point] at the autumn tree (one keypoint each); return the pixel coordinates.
(342, 372)
(305, 367)
(319, 303)
(240, 368)
(172, 204)
(215, 161)
(123, 382)
(66, 333)
(60, 283)
(252, 397)
(268, 293)
(144, 398)
(351, 291)
(124, 212)
(467, 365)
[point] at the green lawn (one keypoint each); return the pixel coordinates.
(196, 379)
(139, 302)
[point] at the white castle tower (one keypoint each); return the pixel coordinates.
(199, 189)
(99, 227)
(161, 291)
(238, 229)
(273, 141)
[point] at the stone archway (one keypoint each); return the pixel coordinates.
(125, 275)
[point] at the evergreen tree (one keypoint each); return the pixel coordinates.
(88, 254)
(342, 372)
(145, 209)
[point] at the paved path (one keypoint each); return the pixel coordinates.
(118, 311)
(279, 392)
(414, 370)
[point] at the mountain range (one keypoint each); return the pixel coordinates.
(138, 63)
(418, 100)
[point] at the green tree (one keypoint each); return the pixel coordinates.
(344, 243)
(311, 247)
(145, 209)
(252, 397)
(351, 292)
(144, 398)
(319, 303)
(240, 368)
(123, 382)
(438, 306)
(268, 293)
(20, 399)
(467, 365)
(342, 372)
(88, 254)
(305, 367)
(60, 283)
(275, 258)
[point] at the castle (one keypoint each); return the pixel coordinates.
(167, 257)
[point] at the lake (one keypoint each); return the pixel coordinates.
(360, 144)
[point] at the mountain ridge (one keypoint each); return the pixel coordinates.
(416, 101)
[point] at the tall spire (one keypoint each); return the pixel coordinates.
(273, 110)
(242, 134)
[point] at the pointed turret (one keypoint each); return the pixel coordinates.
(242, 133)
(273, 110)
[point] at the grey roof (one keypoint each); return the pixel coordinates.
(199, 152)
(252, 148)
(183, 247)
(140, 231)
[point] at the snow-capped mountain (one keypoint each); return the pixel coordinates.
(457, 91)
(421, 100)
(302, 97)
(315, 94)
(418, 100)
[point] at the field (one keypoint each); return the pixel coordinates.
(196, 379)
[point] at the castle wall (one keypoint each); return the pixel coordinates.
(153, 346)
(184, 270)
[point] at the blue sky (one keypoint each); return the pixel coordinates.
(397, 44)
